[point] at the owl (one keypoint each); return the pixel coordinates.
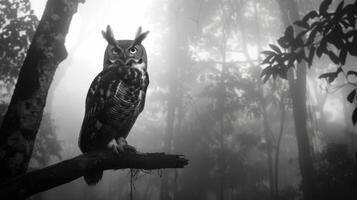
(115, 98)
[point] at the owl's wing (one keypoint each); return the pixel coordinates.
(112, 105)
(98, 97)
(141, 102)
(142, 96)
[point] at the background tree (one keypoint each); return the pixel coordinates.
(18, 26)
(297, 87)
(318, 33)
(22, 120)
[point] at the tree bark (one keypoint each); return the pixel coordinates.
(69, 170)
(269, 146)
(23, 118)
(277, 152)
(290, 14)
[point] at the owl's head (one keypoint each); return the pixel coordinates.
(126, 53)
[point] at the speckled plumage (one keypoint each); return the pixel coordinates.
(115, 98)
(112, 101)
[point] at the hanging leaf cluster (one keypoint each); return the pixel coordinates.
(318, 33)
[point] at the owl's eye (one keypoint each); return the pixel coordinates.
(133, 50)
(115, 51)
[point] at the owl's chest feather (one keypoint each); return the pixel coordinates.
(123, 103)
(116, 98)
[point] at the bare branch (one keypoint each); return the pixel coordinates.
(69, 170)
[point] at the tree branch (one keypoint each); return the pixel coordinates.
(69, 170)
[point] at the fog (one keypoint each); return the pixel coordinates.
(206, 100)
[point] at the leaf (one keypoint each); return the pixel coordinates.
(289, 33)
(265, 71)
(311, 55)
(335, 38)
(352, 50)
(333, 57)
(266, 78)
(338, 11)
(282, 42)
(339, 70)
(300, 55)
(351, 73)
(350, 34)
(331, 76)
(275, 48)
(267, 59)
(268, 53)
(291, 62)
(299, 42)
(302, 24)
(284, 73)
(324, 6)
(310, 15)
(322, 48)
(342, 56)
(311, 37)
(275, 74)
(354, 116)
(345, 23)
(349, 9)
(318, 52)
(351, 96)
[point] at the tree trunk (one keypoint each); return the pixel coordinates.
(269, 148)
(297, 87)
(23, 118)
(278, 144)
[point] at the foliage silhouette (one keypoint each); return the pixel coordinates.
(18, 24)
(17, 29)
(322, 32)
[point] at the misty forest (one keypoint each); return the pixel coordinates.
(247, 99)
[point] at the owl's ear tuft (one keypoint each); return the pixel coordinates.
(109, 36)
(139, 37)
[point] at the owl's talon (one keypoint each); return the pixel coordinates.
(130, 148)
(115, 150)
(120, 148)
(121, 143)
(113, 145)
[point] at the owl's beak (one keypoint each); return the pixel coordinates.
(131, 61)
(122, 60)
(128, 61)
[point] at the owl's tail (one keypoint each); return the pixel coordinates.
(93, 177)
